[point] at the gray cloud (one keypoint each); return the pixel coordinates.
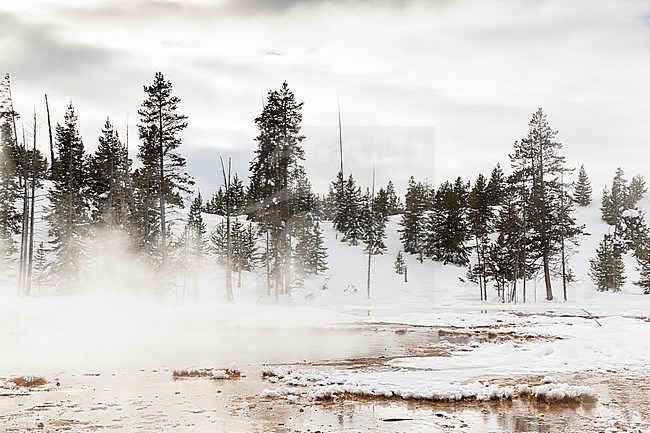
(474, 71)
(37, 52)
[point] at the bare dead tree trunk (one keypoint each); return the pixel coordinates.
(49, 128)
(371, 231)
(24, 239)
(128, 175)
(226, 180)
(30, 265)
(338, 103)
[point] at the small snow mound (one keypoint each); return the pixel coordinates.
(549, 379)
(562, 392)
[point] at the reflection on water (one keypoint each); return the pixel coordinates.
(151, 401)
(128, 399)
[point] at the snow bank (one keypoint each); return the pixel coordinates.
(316, 385)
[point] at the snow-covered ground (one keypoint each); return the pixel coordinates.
(108, 329)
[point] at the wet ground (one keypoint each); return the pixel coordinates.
(150, 400)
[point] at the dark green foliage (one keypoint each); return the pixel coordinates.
(500, 265)
(633, 231)
(393, 202)
(399, 263)
(243, 244)
(310, 254)
(161, 180)
(583, 190)
(9, 184)
(329, 205)
(510, 225)
(217, 203)
(110, 181)
(353, 230)
(386, 202)
(303, 202)
(496, 186)
(196, 230)
(607, 269)
(614, 202)
(274, 172)
(449, 228)
(69, 210)
(538, 172)
(635, 192)
(619, 209)
(644, 274)
(413, 231)
(374, 217)
(481, 216)
(338, 203)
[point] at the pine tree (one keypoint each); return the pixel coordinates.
(352, 213)
(162, 178)
(644, 274)
(636, 191)
(607, 269)
(394, 204)
(40, 265)
(413, 224)
(399, 263)
(303, 203)
(500, 266)
(536, 162)
(511, 227)
(110, 174)
(310, 254)
(273, 172)
(481, 218)
(196, 230)
(449, 229)
(239, 246)
(68, 215)
(237, 196)
(496, 186)
(374, 217)
(243, 244)
(614, 202)
(381, 202)
(583, 188)
(329, 206)
(216, 205)
(633, 231)
(9, 185)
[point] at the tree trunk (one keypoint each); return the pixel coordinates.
(547, 278)
(371, 241)
(25, 224)
(30, 264)
(49, 129)
(226, 180)
(268, 266)
(161, 196)
(478, 260)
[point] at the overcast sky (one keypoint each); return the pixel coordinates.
(431, 88)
